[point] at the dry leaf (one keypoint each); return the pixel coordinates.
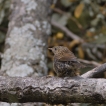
(90, 34)
(81, 52)
(78, 10)
(73, 43)
(52, 6)
(51, 73)
(59, 35)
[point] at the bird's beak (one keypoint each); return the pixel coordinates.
(50, 48)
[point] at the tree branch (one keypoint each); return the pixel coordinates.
(89, 62)
(55, 90)
(52, 90)
(94, 73)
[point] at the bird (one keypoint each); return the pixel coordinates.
(65, 63)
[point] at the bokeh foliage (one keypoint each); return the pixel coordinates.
(86, 19)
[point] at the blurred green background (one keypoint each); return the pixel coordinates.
(85, 19)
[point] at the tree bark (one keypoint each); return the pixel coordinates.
(26, 41)
(52, 90)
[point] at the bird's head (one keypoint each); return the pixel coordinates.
(59, 49)
(62, 53)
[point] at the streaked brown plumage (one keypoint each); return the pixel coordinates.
(65, 63)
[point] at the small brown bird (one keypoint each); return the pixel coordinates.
(65, 63)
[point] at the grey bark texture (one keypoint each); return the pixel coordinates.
(26, 41)
(52, 90)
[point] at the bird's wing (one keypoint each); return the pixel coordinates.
(71, 60)
(67, 57)
(72, 63)
(77, 63)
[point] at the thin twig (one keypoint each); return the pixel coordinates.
(95, 72)
(89, 62)
(68, 15)
(68, 32)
